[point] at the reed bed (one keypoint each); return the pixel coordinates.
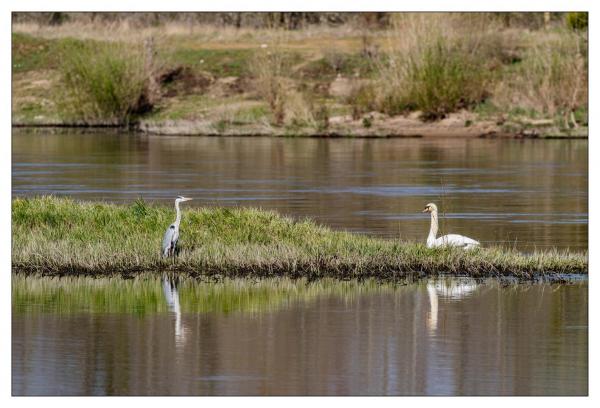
(60, 236)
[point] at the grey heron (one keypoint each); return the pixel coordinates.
(171, 237)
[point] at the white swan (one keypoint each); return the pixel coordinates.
(447, 240)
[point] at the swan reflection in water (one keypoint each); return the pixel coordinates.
(172, 298)
(454, 289)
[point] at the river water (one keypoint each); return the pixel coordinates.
(150, 336)
(445, 337)
(527, 194)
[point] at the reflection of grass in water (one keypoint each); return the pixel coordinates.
(248, 295)
(144, 294)
(74, 294)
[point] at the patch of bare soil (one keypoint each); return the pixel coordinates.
(229, 86)
(183, 80)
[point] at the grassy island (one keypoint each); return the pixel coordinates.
(59, 236)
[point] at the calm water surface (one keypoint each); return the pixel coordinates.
(521, 193)
(151, 337)
(279, 337)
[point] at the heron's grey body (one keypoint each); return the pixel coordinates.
(169, 244)
(170, 240)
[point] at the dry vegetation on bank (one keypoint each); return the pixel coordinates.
(459, 72)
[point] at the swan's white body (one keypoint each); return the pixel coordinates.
(454, 240)
(451, 240)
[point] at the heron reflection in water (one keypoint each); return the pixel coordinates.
(172, 297)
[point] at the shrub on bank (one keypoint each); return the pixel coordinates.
(268, 67)
(438, 81)
(104, 82)
(551, 80)
(577, 20)
(436, 64)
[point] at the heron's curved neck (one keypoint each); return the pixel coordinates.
(434, 226)
(178, 219)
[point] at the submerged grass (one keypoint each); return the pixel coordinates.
(58, 236)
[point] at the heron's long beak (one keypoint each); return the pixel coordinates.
(186, 199)
(425, 210)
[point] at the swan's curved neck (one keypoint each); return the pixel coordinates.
(434, 226)
(178, 219)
